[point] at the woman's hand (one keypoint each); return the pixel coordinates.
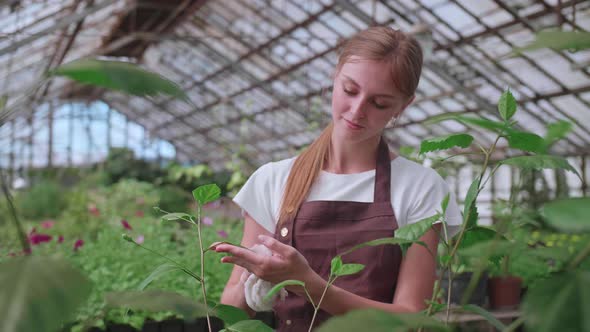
(284, 264)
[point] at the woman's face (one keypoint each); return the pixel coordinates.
(364, 99)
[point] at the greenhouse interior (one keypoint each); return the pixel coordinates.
(133, 131)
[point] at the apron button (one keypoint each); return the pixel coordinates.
(284, 231)
(288, 322)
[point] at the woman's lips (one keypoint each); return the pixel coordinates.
(353, 125)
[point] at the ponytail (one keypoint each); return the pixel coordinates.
(305, 170)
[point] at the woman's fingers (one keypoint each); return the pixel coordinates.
(276, 246)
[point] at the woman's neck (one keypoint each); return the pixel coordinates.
(348, 158)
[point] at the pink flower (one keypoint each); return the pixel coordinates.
(207, 221)
(126, 224)
(79, 243)
(47, 224)
(139, 239)
(60, 239)
(222, 234)
(37, 238)
(139, 213)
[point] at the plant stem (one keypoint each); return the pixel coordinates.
(579, 257)
(19, 228)
(449, 290)
(316, 308)
(203, 265)
(483, 170)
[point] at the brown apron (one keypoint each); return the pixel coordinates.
(324, 229)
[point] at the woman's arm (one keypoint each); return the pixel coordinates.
(415, 280)
(233, 293)
(414, 284)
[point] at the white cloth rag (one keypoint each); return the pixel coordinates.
(255, 289)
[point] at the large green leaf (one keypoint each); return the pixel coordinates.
(526, 141)
(206, 193)
(229, 314)
(540, 162)
(414, 231)
(476, 235)
(568, 215)
(559, 40)
(248, 326)
(380, 321)
(557, 131)
(507, 105)
(495, 126)
(39, 293)
(560, 303)
(156, 300)
(121, 76)
(446, 142)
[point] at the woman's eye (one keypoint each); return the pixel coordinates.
(348, 92)
(379, 106)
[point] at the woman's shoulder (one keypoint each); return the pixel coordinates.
(275, 170)
(404, 166)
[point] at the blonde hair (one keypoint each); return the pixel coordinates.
(404, 56)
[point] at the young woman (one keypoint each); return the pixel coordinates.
(345, 189)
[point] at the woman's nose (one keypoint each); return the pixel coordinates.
(358, 109)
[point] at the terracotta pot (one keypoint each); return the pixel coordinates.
(504, 292)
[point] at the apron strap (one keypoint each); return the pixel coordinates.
(382, 174)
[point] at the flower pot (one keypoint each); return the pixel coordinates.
(459, 286)
(504, 292)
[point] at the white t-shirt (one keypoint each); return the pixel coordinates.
(416, 192)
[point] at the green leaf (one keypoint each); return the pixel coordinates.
(229, 314)
(379, 242)
(485, 314)
(157, 272)
(178, 216)
(348, 269)
(249, 326)
(568, 215)
(282, 285)
(380, 321)
(556, 131)
(540, 162)
(335, 265)
(120, 76)
(495, 126)
(559, 40)
(476, 235)
(207, 193)
(446, 142)
(559, 303)
(39, 293)
(156, 300)
(507, 105)
(470, 209)
(526, 141)
(445, 203)
(414, 231)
